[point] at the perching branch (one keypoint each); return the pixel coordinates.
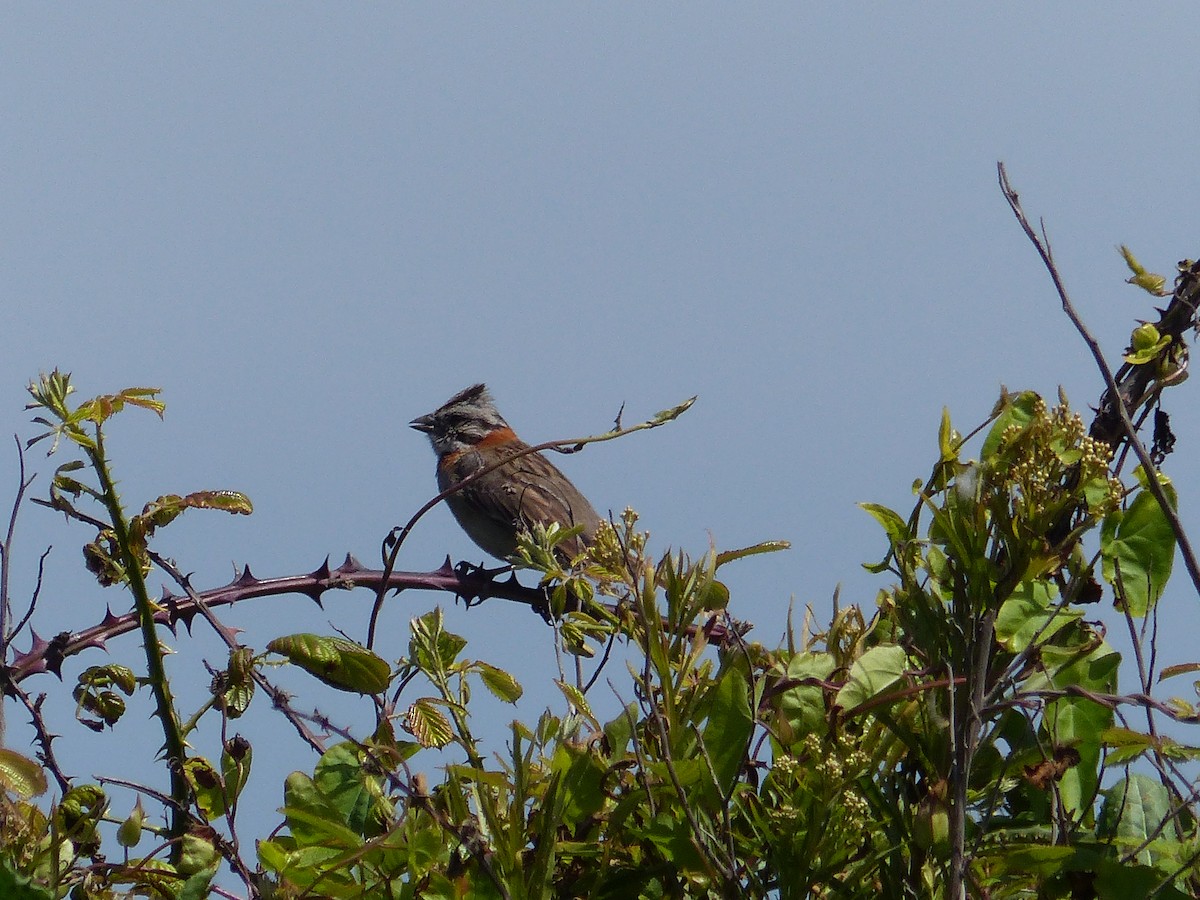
(173, 610)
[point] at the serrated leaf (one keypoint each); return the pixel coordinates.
(502, 685)
(430, 646)
(338, 662)
(428, 724)
(168, 507)
(21, 775)
(576, 698)
(728, 556)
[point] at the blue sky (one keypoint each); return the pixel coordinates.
(310, 223)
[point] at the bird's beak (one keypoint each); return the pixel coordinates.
(422, 423)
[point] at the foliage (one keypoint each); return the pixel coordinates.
(966, 734)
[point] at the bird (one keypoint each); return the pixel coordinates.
(468, 434)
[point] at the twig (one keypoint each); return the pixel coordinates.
(43, 736)
(6, 555)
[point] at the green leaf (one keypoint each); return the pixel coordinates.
(894, 526)
(1019, 410)
(502, 685)
(576, 698)
(207, 786)
(167, 508)
(726, 556)
(21, 775)
(311, 817)
(729, 728)
(198, 857)
(234, 689)
(15, 886)
(1145, 345)
(1181, 669)
(338, 662)
(1034, 859)
(428, 724)
(430, 646)
(581, 782)
(674, 412)
(1078, 723)
(1147, 281)
(1135, 808)
(1030, 612)
(343, 780)
(803, 707)
(1125, 745)
(872, 674)
(712, 595)
(619, 731)
(948, 438)
(1139, 544)
(1119, 880)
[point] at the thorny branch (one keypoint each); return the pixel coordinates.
(48, 656)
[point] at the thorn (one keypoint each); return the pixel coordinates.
(246, 579)
(351, 564)
(322, 571)
(167, 615)
(186, 615)
(447, 567)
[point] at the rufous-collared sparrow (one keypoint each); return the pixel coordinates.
(468, 434)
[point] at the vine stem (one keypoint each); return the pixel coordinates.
(156, 672)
